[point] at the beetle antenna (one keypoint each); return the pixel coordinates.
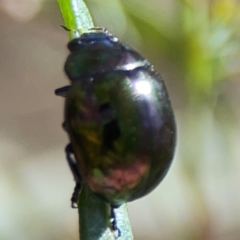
(74, 31)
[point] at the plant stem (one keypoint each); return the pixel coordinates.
(95, 218)
(94, 213)
(76, 16)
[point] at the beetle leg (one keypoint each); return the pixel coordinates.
(76, 175)
(64, 126)
(74, 198)
(62, 92)
(114, 221)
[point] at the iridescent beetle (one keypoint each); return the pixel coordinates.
(118, 117)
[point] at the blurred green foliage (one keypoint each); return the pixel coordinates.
(198, 40)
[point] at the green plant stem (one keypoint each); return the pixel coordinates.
(94, 213)
(76, 16)
(95, 218)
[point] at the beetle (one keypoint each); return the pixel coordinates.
(118, 117)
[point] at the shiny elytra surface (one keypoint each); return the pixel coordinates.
(119, 118)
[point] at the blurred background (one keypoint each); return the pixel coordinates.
(195, 44)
